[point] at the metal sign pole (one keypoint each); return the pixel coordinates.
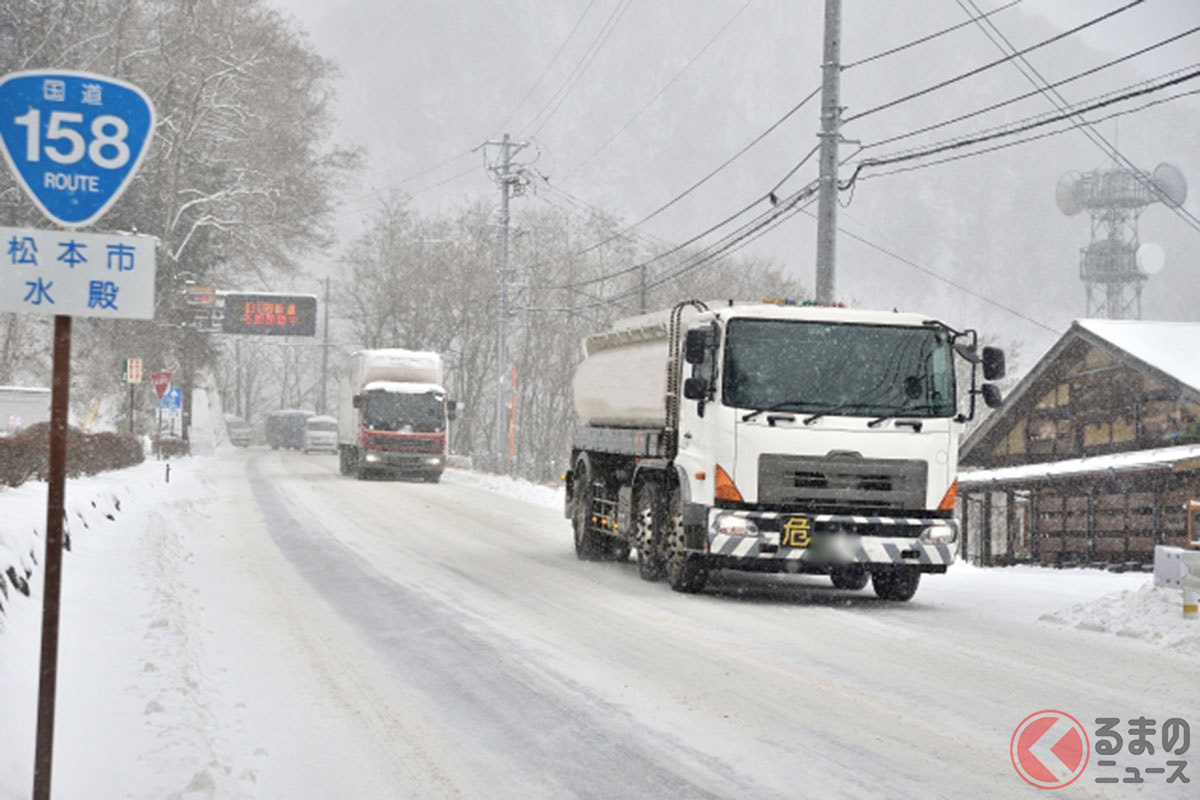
(55, 511)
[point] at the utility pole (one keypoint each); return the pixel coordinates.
(510, 182)
(831, 122)
(324, 353)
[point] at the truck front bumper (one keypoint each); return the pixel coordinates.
(792, 542)
(404, 462)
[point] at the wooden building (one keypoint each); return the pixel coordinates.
(1095, 456)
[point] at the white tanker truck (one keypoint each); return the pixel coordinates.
(800, 439)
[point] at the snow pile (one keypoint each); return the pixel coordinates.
(1150, 613)
(535, 493)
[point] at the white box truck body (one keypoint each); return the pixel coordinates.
(773, 437)
(22, 406)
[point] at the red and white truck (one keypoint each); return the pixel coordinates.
(393, 414)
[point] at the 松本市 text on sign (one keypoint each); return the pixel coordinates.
(77, 274)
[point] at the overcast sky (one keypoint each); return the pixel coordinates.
(677, 86)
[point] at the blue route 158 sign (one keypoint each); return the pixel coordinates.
(73, 139)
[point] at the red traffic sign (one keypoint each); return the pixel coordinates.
(161, 380)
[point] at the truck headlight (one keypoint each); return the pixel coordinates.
(939, 534)
(371, 457)
(734, 526)
(434, 461)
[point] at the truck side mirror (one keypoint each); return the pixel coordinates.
(451, 409)
(695, 389)
(993, 363)
(356, 401)
(991, 395)
(694, 345)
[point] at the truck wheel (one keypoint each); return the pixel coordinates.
(344, 460)
(588, 546)
(849, 578)
(898, 583)
(686, 572)
(649, 530)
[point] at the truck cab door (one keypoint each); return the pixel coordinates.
(706, 427)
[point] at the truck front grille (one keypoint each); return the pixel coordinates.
(423, 445)
(841, 483)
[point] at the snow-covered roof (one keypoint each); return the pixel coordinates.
(1172, 347)
(1169, 348)
(403, 388)
(1160, 458)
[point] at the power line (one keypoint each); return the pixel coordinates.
(545, 71)
(347, 208)
(705, 179)
(1056, 99)
(661, 91)
(667, 252)
(924, 39)
(731, 242)
(991, 64)
(576, 74)
(984, 137)
(1034, 93)
(1026, 140)
(909, 262)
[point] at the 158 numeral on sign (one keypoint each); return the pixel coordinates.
(107, 149)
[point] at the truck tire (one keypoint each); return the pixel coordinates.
(897, 583)
(588, 546)
(344, 460)
(686, 572)
(648, 530)
(854, 578)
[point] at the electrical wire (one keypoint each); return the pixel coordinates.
(1026, 140)
(1034, 93)
(985, 137)
(731, 242)
(1052, 116)
(665, 253)
(1096, 137)
(545, 71)
(705, 179)
(924, 39)
(991, 64)
(572, 80)
(937, 276)
(662, 91)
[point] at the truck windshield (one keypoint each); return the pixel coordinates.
(400, 411)
(838, 368)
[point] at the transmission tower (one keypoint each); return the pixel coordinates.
(1115, 265)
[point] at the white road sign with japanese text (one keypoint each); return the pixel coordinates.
(79, 274)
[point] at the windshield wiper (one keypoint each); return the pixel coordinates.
(776, 407)
(833, 410)
(900, 412)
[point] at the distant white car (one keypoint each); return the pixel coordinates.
(241, 433)
(320, 433)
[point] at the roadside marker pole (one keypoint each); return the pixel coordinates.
(55, 511)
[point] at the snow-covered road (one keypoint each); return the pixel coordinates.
(289, 632)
